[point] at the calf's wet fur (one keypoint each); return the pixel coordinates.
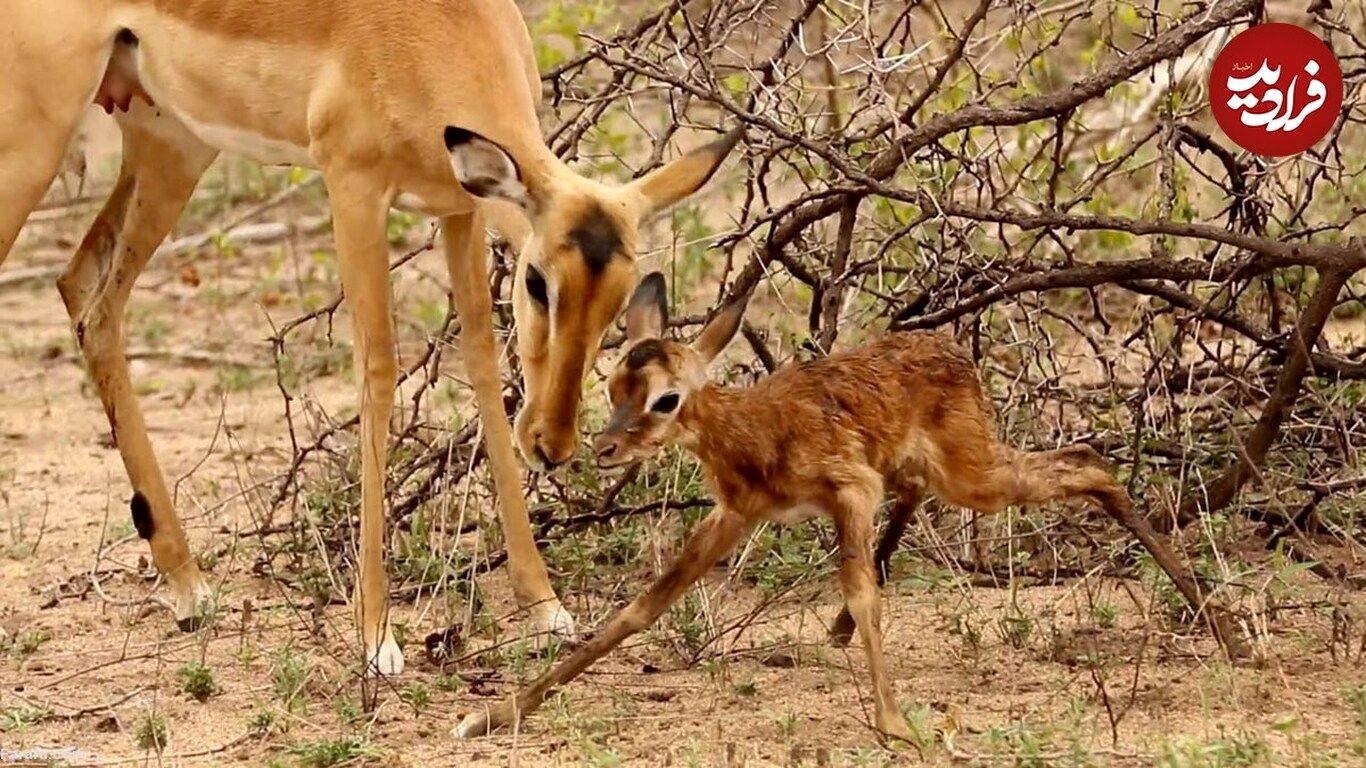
(903, 414)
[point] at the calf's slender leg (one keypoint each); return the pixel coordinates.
(716, 535)
(1076, 472)
(908, 498)
(854, 525)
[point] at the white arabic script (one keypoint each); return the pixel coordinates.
(1279, 116)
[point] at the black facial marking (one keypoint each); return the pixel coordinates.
(642, 353)
(142, 515)
(621, 416)
(597, 238)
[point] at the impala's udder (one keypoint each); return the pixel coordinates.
(120, 83)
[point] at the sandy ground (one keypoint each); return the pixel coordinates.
(84, 668)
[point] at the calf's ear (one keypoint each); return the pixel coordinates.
(721, 329)
(648, 311)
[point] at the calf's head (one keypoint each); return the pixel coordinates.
(652, 382)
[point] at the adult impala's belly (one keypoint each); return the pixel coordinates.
(246, 143)
(243, 97)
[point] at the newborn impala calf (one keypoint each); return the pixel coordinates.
(904, 413)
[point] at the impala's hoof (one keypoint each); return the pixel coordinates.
(387, 661)
(472, 726)
(893, 726)
(551, 618)
(195, 607)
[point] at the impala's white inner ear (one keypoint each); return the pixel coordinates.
(485, 169)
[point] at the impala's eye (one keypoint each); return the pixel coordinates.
(666, 404)
(535, 286)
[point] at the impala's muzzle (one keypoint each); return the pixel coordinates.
(614, 445)
(548, 427)
(611, 450)
(553, 447)
(547, 442)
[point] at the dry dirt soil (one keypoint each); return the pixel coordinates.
(92, 663)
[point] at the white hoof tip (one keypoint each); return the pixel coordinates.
(557, 622)
(388, 661)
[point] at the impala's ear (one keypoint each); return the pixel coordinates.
(648, 311)
(485, 169)
(721, 329)
(667, 185)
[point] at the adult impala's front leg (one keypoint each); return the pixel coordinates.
(466, 256)
(359, 210)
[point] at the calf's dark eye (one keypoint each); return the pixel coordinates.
(535, 286)
(666, 404)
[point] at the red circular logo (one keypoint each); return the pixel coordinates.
(1276, 89)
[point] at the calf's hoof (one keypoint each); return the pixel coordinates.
(473, 726)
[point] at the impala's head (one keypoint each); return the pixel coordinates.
(654, 378)
(576, 272)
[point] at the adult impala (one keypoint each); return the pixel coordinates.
(428, 104)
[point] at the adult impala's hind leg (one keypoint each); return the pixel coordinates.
(91, 263)
(854, 525)
(161, 165)
(908, 498)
